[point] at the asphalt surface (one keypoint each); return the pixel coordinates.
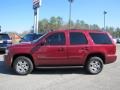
(62, 79)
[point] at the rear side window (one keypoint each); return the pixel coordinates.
(77, 38)
(100, 38)
(56, 39)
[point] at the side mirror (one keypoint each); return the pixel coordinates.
(43, 43)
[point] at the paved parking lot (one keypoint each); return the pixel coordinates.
(62, 79)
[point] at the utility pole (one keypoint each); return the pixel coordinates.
(104, 20)
(70, 10)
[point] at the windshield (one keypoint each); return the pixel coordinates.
(37, 40)
(4, 37)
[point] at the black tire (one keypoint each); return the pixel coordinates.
(94, 65)
(23, 65)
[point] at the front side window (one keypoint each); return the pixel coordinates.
(56, 39)
(77, 38)
(100, 38)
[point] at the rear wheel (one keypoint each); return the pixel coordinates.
(23, 65)
(94, 65)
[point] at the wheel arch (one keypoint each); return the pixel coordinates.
(26, 55)
(101, 55)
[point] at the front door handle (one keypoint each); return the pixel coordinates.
(61, 49)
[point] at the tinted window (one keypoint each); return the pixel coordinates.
(77, 38)
(37, 36)
(29, 37)
(56, 39)
(100, 38)
(4, 37)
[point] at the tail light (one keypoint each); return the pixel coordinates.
(112, 50)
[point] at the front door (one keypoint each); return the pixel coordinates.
(54, 51)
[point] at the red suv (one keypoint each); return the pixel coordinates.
(89, 48)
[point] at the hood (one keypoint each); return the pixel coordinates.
(26, 44)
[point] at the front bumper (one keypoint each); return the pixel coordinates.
(8, 60)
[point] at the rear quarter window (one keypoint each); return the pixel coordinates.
(100, 38)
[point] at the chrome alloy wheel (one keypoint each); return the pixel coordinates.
(22, 66)
(95, 66)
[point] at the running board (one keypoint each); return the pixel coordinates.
(58, 67)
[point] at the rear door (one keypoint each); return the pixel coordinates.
(78, 48)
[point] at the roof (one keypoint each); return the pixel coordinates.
(78, 30)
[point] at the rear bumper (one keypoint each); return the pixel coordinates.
(110, 59)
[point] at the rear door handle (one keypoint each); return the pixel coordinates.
(85, 48)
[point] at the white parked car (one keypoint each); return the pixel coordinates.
(118, 40)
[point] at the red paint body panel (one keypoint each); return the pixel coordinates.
(62, 54)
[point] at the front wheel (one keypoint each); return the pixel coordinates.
(94, 65)
(23, 65)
